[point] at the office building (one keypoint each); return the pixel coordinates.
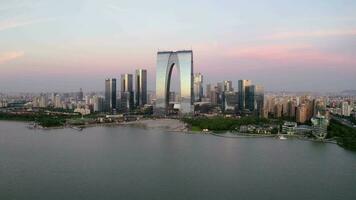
(243, 85)
(301, 114)
(127, 94)
(98, 104)
(110, 95)
(345, 109)
(220, 87)
(198, 86)
(292, 106)
(231, 101)
(166, 60)
(141, 87)
(208, 90)
(228, 86)
(255, 99)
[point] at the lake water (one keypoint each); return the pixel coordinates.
(132, 163)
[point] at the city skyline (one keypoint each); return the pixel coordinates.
(49, 46)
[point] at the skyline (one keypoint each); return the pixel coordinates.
(69, 45)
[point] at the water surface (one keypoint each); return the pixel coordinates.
(133, 163)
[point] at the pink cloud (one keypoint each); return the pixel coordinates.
(287, 54)
(7, 56)
(303, 34)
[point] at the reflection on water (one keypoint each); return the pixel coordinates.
(133, 163)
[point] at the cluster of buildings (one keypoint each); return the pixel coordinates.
(221, 98)
(300, 108)
(131, 95)
(315, 111)
(248, 99)
(343, 107)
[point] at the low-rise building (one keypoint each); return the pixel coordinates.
(320, 126)
(289, 128)
(82, 111)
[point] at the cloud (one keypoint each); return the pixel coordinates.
(7, 56)
(13, 23)
(304, 34)
(289, 54)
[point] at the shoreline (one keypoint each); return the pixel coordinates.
(170, 125)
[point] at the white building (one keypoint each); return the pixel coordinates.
(289, 128)
(346, 109)
(98, 104)
(320, 126)
(82, 111)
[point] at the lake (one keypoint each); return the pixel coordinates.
(125, 162)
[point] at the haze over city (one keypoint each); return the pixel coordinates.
(66, 45)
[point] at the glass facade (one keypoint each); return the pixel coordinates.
(183, 61)
(127, 97)
(243, 84)
(141, 87)
(110, 95)
(198, 87)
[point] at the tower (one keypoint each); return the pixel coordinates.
(183, 61)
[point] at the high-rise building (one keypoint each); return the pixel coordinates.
(208, 90)
(198, 86)
(255, 99)
(57, 101)
(292, 106)
(301, 114)
(110, 95)
(228, 86)
(243, 85)
(231, 101)
(214, 96)
(219, 87)
(345, 109)
(127, 95)
(141, 87)
(277, 110)
(98, 104)
(126, 83)
(43, 101)
(183, 61)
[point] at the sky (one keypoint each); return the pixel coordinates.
(285, 45)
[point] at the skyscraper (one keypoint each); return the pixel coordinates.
(98, 102)
(141, 87)
(220, 87)
(345, 109)
(208, 90)
(198, 86)
(183, 61)
(255, 99)
(110, 95)
(243, 84)
(228, 86)
(301, 114)
(127, 96)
